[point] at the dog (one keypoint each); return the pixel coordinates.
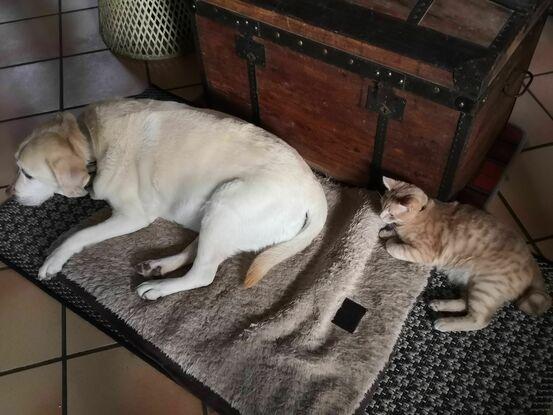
(240, 187)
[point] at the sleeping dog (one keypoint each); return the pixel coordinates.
(240, 187)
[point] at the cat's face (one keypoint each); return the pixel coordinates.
(402, 202)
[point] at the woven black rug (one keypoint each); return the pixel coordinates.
(503, 369)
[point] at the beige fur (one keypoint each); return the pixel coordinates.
(472, 246)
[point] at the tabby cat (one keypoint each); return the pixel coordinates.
(471, 246)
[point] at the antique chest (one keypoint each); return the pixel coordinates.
(414, 89)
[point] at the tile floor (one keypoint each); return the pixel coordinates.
(525, 197)
(53, 58)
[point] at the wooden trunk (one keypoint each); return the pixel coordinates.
(414, 89)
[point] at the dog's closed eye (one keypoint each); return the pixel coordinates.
(27, 175)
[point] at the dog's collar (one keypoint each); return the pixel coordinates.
(91, 169)
(90, 166)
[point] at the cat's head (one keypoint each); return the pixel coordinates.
(402, 201)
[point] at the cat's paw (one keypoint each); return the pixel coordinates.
(386, 232)
(448, 306)
(434, 305)
(443, 325)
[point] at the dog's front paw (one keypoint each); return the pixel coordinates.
(150, 290)
(53, 264)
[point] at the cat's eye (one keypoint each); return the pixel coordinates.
(27, 175)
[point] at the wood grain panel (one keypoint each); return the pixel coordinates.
(318, 109)
(395, 8)
(355, 47)
(417, 148)
(226, 73)
(478, 21)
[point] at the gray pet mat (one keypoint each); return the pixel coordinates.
(505, 369)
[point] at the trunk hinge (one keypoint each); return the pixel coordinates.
(388, 106)
(254, 53)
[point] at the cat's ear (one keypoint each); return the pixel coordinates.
(390, 183)
(401, 208)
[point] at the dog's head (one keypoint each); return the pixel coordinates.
(52, 159)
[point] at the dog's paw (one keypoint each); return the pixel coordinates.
(150, 290)
(53, 264)
(149, 269)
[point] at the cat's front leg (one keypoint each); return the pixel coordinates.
(404, 252)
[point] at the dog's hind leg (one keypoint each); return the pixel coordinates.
(201, 274)
(240, 216)
(215, 243)
(162, 266)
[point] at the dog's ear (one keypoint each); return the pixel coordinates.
(71, 175)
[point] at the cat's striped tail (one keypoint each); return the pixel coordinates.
(535, 300)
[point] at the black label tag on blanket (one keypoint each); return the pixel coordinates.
(349, 315)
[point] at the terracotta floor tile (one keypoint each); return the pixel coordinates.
(32, 392)
(81, 32)
(542, 88)
(527, 188)
(82, 335)
(101, 75)
(3, 196)
(534, 121)
(29, 40)
(67, 5)
(23, 9)
(29, 89)
(116, 382)
(30, 319)
(543, 58)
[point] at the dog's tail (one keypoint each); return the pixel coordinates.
(316, 218)
(535, 300)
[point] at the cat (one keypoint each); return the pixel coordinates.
(489, 258)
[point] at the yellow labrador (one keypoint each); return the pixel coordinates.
(240, 187)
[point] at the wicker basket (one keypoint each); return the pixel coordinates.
(146, 29)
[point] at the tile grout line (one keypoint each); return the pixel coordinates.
(543, 238)
(41, 113)
(28, 367)
(519, 223)
(63, 309)
(540, 104)
(63, 360)
(183, 86)
(71, 55)
(543, 73)
(24, 19)
(537, 147)
(59, 359)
